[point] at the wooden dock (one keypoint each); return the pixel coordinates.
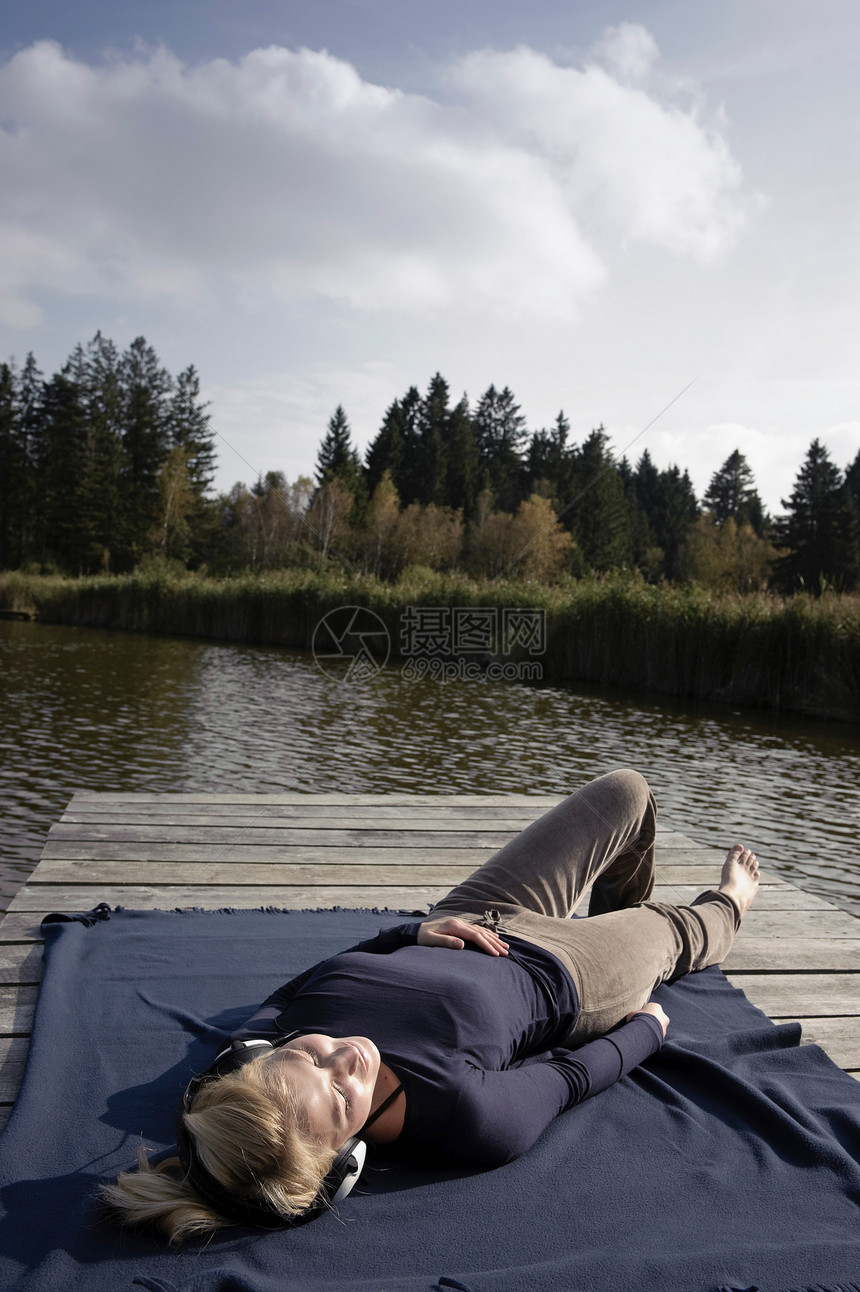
(796, 957)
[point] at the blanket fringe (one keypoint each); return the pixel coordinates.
(103, 912)
(809, 1287)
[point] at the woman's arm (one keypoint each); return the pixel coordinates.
(501, 1114)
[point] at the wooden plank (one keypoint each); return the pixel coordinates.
(323, 869)
(425, 817)
(799, 925)
(171, 874)
(782, 897)
(416, 833)
(239, 850)
(17, 1004)
(21, 962)
(838, 1037)
(70, 827)
(800, 995)
(13, 1056)
(539, 801)
(221, 834)
(198, 814)
(834, 955)
(20, 928)
(292, 804)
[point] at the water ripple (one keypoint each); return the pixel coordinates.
(84, 709)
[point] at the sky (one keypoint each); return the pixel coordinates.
(595, 204)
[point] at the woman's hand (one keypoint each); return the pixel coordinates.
(449, 931)
(652, 1008)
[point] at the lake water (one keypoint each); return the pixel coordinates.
(86, 709)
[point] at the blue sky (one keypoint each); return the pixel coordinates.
(326, 203)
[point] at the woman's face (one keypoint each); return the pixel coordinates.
(333, 1079)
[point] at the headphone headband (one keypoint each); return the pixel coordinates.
(339, 1182)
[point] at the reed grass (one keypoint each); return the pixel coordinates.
(796, 653)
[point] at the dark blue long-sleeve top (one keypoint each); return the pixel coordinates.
(475, 1039)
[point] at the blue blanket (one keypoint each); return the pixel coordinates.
(730, 1160)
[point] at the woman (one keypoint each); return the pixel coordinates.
(464, 1058)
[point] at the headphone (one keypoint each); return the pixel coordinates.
(339, 1182)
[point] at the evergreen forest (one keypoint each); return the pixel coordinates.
(108, 465)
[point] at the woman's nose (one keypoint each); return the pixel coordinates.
(335, 1057)
(346, 1059)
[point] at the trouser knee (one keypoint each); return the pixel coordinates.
(626, 788)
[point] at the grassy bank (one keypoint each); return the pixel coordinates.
(796, 653)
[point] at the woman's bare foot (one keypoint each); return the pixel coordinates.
(740, 876)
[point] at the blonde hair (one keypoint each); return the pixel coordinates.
(249, 1133)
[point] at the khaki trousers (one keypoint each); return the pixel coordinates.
(603, 835)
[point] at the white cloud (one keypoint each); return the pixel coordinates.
(285, 175)
(612, 149)
(628, 50)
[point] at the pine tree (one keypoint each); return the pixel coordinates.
(96, 374)
(385, 452)
(11, 468)
(433, 432)
(463, 476)
(668, 506)
(337, 459)
(598, 518)
(676, 512)
(645, 555)
(407, 478)
(62, 470)
(29, 419)
(820, 529)
(145, 389)
(189, 430)
(538, 469)
(500, 433)
(732, 493)
(852, 480)
(646, 484)
(191, 434)
(551, 466)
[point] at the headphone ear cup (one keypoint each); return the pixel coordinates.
(347, 1167)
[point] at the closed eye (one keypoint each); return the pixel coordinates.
(315, 1060)
(344, 1096)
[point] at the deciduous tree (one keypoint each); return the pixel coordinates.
(431, 536)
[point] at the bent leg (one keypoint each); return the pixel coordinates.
(601, 835)
(617, 960)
